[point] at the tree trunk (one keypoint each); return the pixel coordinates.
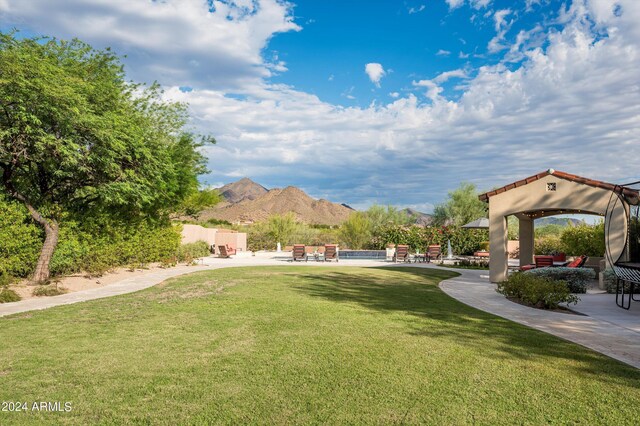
(51, 231)
(50, 226)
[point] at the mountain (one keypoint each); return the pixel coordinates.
(257, 204)
(244, 189)
(421, 218)
(556, 221)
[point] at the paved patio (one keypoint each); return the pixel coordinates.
(604, 327)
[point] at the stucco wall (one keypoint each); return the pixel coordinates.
(236, 240)
(193, 233)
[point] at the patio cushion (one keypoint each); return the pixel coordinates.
(577, 262)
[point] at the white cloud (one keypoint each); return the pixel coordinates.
(375, 72)
(501, 26)
(174, 41)
(572, 104)
(492, 135)
(443, 52)
(394, 95)
(476, 4)
(463, 55)
(453, 4)
(418, 9)
(445, 76)
(433, 86)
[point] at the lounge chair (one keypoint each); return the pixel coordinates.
(299, 252)
(481, 254)
(540, 262)
(578, 262)
(223, 253)
(434, 252)
(402, 253)
(331, 252)
(390, 254)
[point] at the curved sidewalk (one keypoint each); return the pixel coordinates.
(600, 333)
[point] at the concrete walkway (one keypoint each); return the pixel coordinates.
(605, 328)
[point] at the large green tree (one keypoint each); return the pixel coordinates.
(77, 138)
(461, 207)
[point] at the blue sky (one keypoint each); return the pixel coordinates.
(412, 40)
(392, 102)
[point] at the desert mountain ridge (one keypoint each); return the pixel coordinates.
(246, 201)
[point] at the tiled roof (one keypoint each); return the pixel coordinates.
(628, 192)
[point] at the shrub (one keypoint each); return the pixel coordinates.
(8, 295)
(577, 279)
(470, 264)
(188, 252)
(355, 232)
(584, 239)
(5, 279)
(49, 290)
(213, 221)
(537, 291)
(610, 282)
(548, 245)
(463, 241)
(20, 239)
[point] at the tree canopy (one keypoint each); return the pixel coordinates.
(461, 207)
(77, 138)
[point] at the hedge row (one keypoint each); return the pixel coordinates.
(95, 246)
(463, 241)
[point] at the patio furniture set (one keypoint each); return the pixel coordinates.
(329, 253)
(402, 254)
(558, 260)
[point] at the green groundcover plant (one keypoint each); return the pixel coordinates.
(541, 292)
(577, 279)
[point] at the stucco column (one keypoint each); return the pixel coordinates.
(497, 247)
(526, 238)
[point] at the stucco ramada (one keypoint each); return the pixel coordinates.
(551, 193)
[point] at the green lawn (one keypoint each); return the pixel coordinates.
(302, 345)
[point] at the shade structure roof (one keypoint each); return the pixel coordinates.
(632, 194)
(482, 223)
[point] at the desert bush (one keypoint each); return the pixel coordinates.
(470, 264)
(610, 282)
(48, 290)
(191, 251)
(213, 221)
(548, 245)
(584, 239)
(550, 229)
(20, 239)
(537, 291)
(94, 245)
(7, 295)
(355, 232)
(577, 279)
